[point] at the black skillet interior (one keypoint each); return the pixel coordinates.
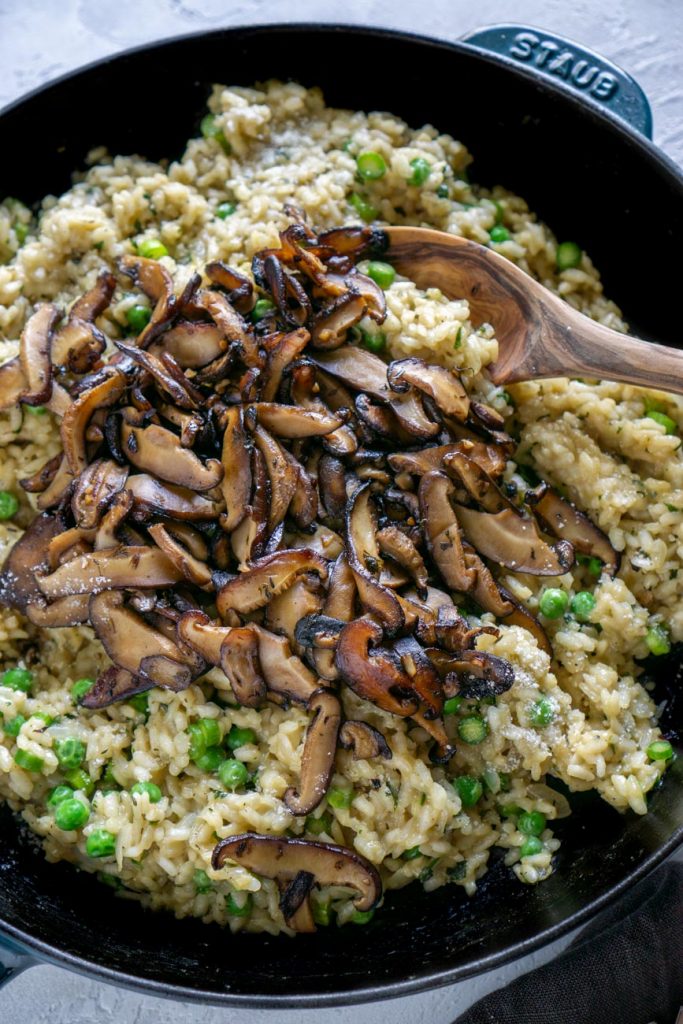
(591, 182)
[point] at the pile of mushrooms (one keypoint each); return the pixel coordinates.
(268, 497)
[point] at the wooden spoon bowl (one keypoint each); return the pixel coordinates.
(539, 335)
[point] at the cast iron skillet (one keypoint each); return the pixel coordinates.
(597, 180)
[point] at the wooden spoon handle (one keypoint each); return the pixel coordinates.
(569, 344)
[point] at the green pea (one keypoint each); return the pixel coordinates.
(211, 731)
(211, 760)
(13, 727)
(469, 789)
(138, 317)
(140, 702)
(238, 737)
(233, 773)
(78, 779)
(382, 274)
(531, 823)
(322, 913)
(443, 192)
(421, 171)
(362, 916)
(452, 705)
(150, 788)
(261, 308)
(530, 847)
(568, 256)
(592, 564)
(198, 742)
(541, 713)
(660, 750)
(553, 603)
(371, 165)
(151, 249)
(657, 640)
(70, 753)
(58, 795)
(663, 420)
(202, 882)
(225, 210)
(473, 729)
(21, 232)
(316, 826)
(35, 410)
(365, 210)
(9, 506)
(17, 679)
(80, 688)
(375, 342)
(71, 815)
(100, 843)
(339, 798)
(412, 853)
(509, 810)
(29, 762)
(582, 605)
(491, 780)
(211, 130)
(499, 233)
(239, 909)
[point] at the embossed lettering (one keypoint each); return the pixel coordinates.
(605, 86)
(523, 45)
(562, 64)
(547, 47)
(583, 73)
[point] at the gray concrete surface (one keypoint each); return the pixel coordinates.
(40, 39)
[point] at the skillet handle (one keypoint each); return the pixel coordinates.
(574, 67)
(13, 960)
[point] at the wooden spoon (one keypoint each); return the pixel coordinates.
(539, 335)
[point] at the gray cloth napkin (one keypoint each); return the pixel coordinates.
(626, 967)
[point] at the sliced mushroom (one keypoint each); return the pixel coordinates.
(364, 560)
(289, 295)
(453, 632)
(239, 288)
(418, 463)
(563, 519)
(12, 384)
(18, 586)
(190, 567)
(192, 344)
(294, 903)
(443, 532)
(317, 760)
(480, 674)
(267, 578)
(340, 604)
(283, 858)
(476, 481)
(105, 389)
(376, 673)
(303, 598)
(290, 422)
(521, 616)
(168, 376)
(440, 384)
(157, 451)
(107, 530)
(330, 325)
(101, 571)
(115, 684)
(248, 539)
(485, 591)
(513, 541)
(287, 348)
(239, 659)
(195, 629)
(332, 485)
(426, 685)
(42, 479)
(364, 741)
(236, 483)
(303, 507)
(233, 327)
(394, 543)
(65, 611)
(34, 354)
(155, 281)
(95, 488)
(286, 676)
(154, 498)
(282, 473)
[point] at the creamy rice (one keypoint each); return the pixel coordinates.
(592, 440)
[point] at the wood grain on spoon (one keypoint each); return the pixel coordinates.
(539, 335)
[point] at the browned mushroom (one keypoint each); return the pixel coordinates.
(113, 518)
(115, 684)
(34, 354)
(239, 659)
(155, 281)
(18, 586)
(157, 451)
(374, 674)
(303, 598)
(397, 545)
(290, 422)
(364, 741)
(564, 520)
(192, 344)
(197, 630)
(105, 388)
(65, 611)
(443, 532)
(364, 560)
(294, 903)
(479, 674)
(286, 676)
(106, 570)
(283, 858)
(12, 384)
(167, 374)
(477, 482)
(233, 327)
(154, 498)
(42, 479)
(440, 384)
(286, 349)
(95, 488)
(282, 474)
(330, 325)
(79, 344)
(317, 760)
(426, 685)
(190, 567)
(512, 540)
(267, 578)
(289, 295)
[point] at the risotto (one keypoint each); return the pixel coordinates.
(580, 716)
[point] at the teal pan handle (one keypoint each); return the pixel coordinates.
(13, 961)
(577, 69)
